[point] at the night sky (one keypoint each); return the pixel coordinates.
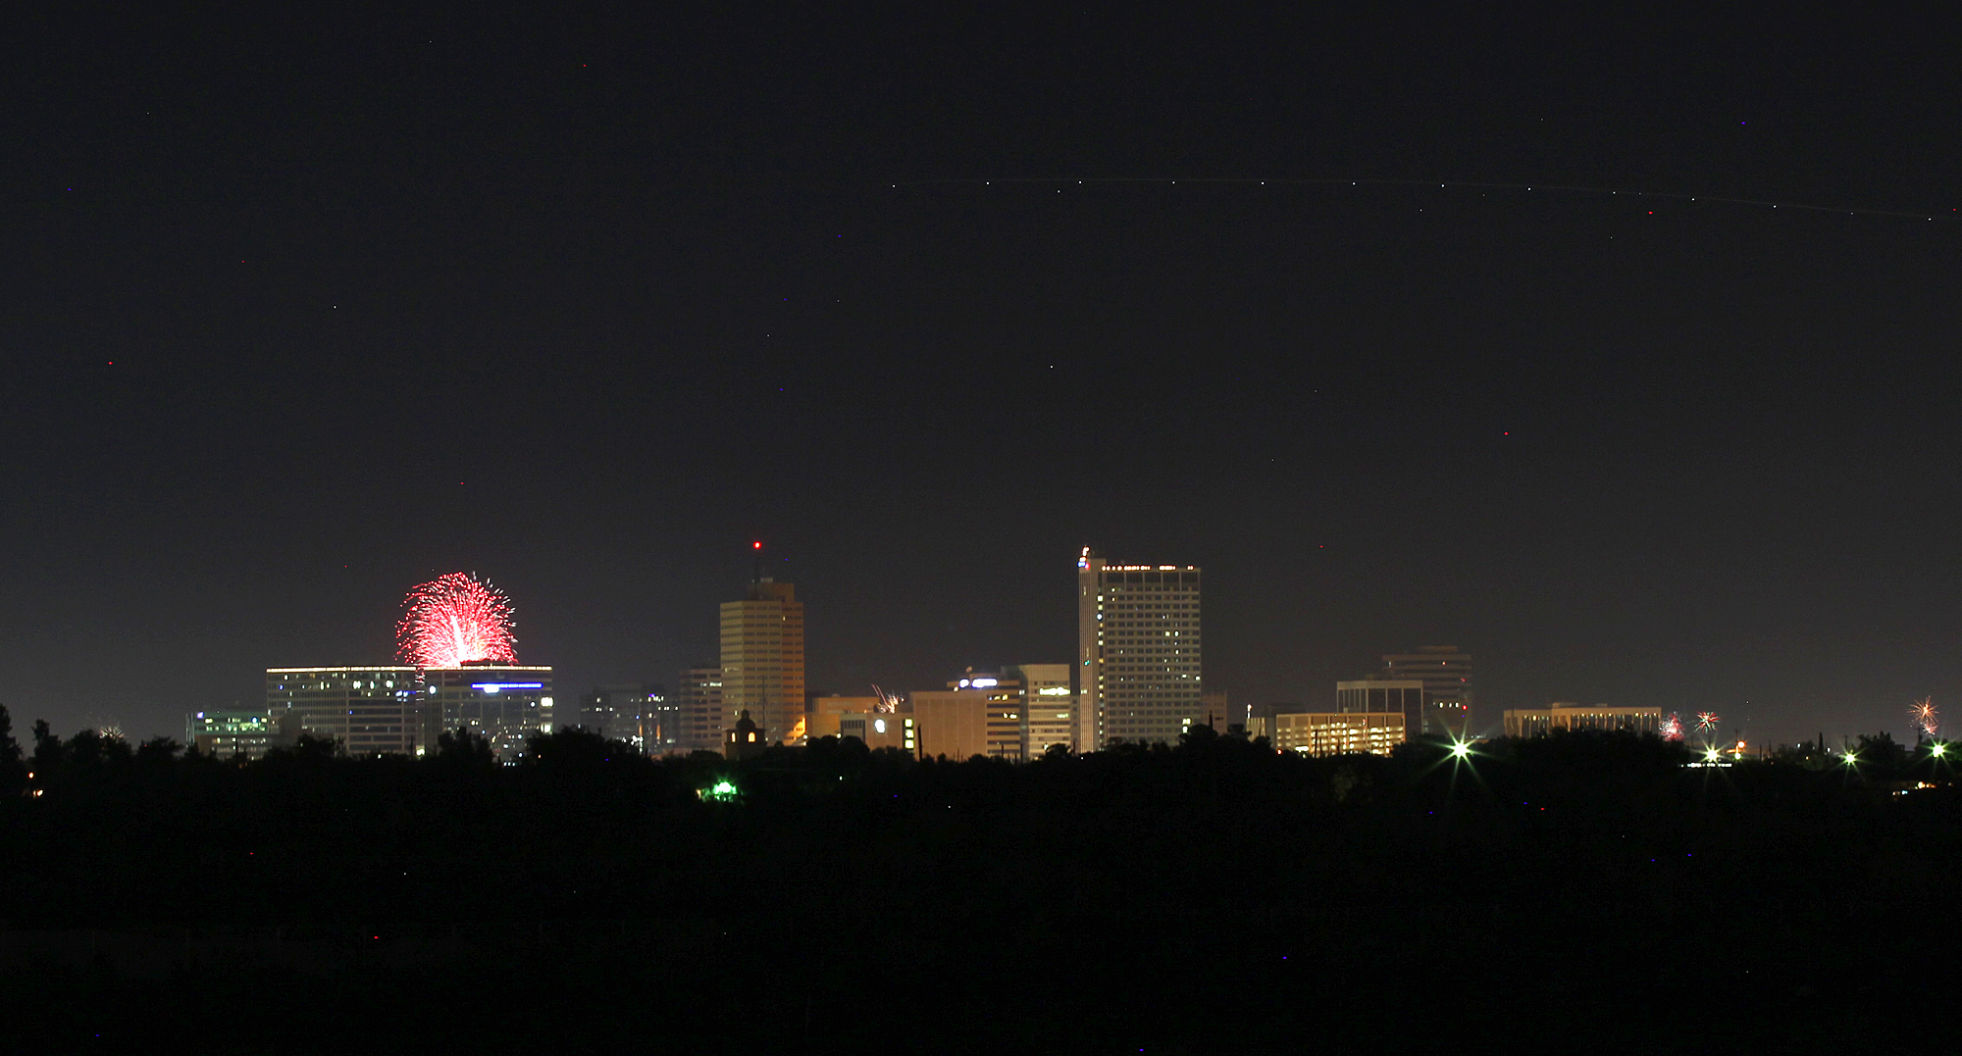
(1449, 326)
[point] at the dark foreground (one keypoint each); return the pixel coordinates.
(1579, 894)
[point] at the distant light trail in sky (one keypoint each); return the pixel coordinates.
(1947, 213)
(453, 619)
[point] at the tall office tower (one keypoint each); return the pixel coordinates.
(763, 660)
(1046, 711)
(1137, 652)
(1446, 672)
(698, 706)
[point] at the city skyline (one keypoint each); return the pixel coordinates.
(1313, 698)
(1612, 353)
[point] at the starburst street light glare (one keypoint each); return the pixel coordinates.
(1461, 749)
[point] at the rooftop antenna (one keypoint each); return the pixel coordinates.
(756, 573)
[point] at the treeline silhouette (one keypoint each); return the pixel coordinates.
(1215, 896)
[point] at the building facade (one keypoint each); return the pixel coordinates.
(763, 660)
(1538, 722)
(698, 709)
(1138, 645)
(950, 722)
(403, 710)
(881, 729)
(638, 713)
(1339, 733)
(236, 734)
(1406, 696)
(368, 710)
(1047, 715)
(823, 714)
(1446, 672)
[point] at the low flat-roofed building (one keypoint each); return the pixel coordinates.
(1537, 722)
(880, 730)
(821, 715)
(368, 710)
(232, 734)
(1338, 733)
(402, 710)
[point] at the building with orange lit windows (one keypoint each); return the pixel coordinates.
(763, 660)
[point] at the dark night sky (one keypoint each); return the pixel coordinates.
(303, 312)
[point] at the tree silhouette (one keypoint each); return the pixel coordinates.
(13, 770)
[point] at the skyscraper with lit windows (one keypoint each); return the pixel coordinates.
(1138, 646)
(763, 660)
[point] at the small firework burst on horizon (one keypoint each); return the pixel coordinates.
(1926, 715)
(1672, 727)
(454, 619)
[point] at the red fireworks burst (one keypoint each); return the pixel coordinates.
(453, 619)
(1672, 727)
(1706, 721)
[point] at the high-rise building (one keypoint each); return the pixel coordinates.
(763, 660)
(698, 707)
(1046, 711)
(1446, 672)
(1138, 662)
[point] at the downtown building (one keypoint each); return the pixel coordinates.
(395, 710)
(236, 734)
(762, 668)
(1570, 718)
(698, 710)
(639, 713)
(1138, 644)
(980, 713)
(1446, 672)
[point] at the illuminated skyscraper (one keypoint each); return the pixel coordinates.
(763, 660)
(1138, 652)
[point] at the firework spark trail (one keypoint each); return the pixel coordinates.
(453, 619)
(1926, 715)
